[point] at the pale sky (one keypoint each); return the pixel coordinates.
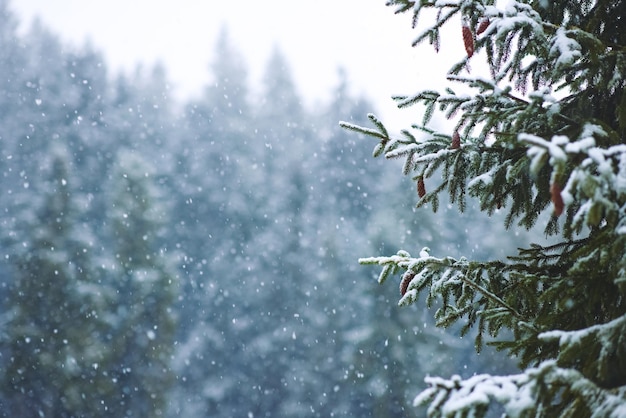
(363, 36)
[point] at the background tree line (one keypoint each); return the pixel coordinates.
(199, 258)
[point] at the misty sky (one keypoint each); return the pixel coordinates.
(363, 36)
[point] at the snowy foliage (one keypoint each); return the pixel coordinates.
(518, 394)
(541, 136)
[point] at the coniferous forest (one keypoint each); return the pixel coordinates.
(199, 259)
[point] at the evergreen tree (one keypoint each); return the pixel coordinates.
(542, 138)
(227, 95)
(142, 335)
(12, 62)
(216, 211)
(53, 339)
(215, 141)
(280, 98)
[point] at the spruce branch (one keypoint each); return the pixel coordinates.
(459, 280)
(494, 298)
(472, 397)
(604, 344)
(362, 130)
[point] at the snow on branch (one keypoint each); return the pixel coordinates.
(362, 130)
(462, 286)
(564, 50)
(602, 343)
(553, 147)
(517, 394)
(594, 189)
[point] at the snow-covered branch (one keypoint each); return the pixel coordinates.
(517, 394)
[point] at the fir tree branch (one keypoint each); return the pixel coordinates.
(493, 297)
(516, 393)
(362, 130)
(604, 345)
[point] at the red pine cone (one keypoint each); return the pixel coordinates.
(421, 187)
(468, 40)
(456, 140)
(557, 199)
(406, 280)
(482, 26)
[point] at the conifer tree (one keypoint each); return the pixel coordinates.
(540, 136)
(53, 368)
(227, 95)
(280, 97)
(144, 324)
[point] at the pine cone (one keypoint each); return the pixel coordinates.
(557, 199)
(468, 39)
(421, 187)
(482, 26)
(456, 140)
(406, 280)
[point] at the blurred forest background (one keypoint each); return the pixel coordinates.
(200, 259)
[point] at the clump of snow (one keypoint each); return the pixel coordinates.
(582, 145)
(620, 178)
(455, 395)
(485, 178)
(565, 49)
(554, 146)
